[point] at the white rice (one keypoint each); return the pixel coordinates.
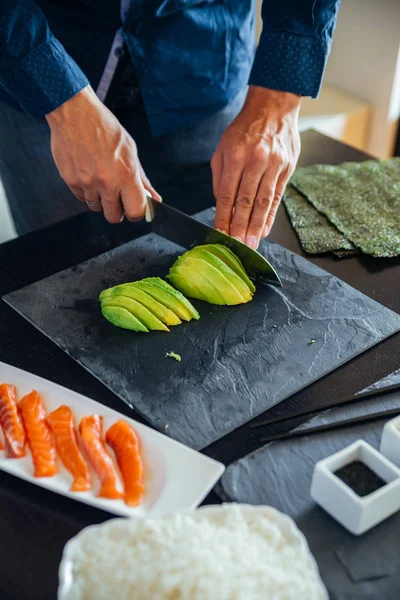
(233, 552)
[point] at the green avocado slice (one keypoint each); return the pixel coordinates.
(137, 310)
(215, 287)
(180, 279)
(195, 287)
(164, 314)
(106, 294)
(120, 317)
(231, 260)
(171, 298)
(233, 279)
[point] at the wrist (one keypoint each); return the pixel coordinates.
(274, 100)
(72, 107)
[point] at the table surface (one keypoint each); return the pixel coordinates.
(34, 523)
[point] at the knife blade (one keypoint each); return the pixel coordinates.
(185, 231)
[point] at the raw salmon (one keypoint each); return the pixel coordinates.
(125, 443)
(90, 429)
(61, 422)
(39, 436)
(10, 421)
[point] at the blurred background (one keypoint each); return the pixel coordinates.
(360, 99)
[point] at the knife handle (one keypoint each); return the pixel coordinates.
(149, 214)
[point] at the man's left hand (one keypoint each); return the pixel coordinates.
(253, 162)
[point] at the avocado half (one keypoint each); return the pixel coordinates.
(212, 273)
(147, 305)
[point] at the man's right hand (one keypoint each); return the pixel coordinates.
(97, 158)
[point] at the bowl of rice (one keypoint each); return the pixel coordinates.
(228, 552)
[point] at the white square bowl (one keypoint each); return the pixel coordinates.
(390, 441)
(356, 513)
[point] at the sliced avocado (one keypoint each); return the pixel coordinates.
(220, 266)
(106, 293)
(184, 283)
(137, 310)
(122, 318)
(215, 287)
(164, 314)
(171, 298)
(229, 258)
(199, 281)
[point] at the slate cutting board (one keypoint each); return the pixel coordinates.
(236, 361)
(279, 474)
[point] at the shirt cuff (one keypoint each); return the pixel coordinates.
(290, 63)
(44, 79)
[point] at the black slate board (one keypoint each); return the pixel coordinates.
(236, 361)
(279, 474)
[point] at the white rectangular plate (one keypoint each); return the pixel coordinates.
(176, 477)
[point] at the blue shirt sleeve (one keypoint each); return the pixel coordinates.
(35, 69)
(294, 45)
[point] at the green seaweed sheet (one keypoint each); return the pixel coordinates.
(362, 200)
(316, 234)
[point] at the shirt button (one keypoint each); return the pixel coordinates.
(119, 51)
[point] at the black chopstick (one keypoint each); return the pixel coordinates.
(348, 400)
(392, 412)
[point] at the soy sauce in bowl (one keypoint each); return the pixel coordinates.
(360, 478)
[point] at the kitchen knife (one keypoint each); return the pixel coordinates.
(188, 232)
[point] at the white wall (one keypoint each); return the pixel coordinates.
(258, 17)
(365, 61)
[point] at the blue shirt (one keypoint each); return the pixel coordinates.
(192, 57)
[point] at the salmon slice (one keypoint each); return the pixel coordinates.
(90, 429)
(39, 436)
(61, 423)
(11, 423)
(125, 443)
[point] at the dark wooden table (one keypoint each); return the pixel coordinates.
(34, 523)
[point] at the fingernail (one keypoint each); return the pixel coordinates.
(239, 239)
(252, 241)
(266, 230)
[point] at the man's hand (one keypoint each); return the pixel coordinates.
(253, 162)
(98, 159)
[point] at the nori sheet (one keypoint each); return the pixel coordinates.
(316, 234)
(361, 199)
